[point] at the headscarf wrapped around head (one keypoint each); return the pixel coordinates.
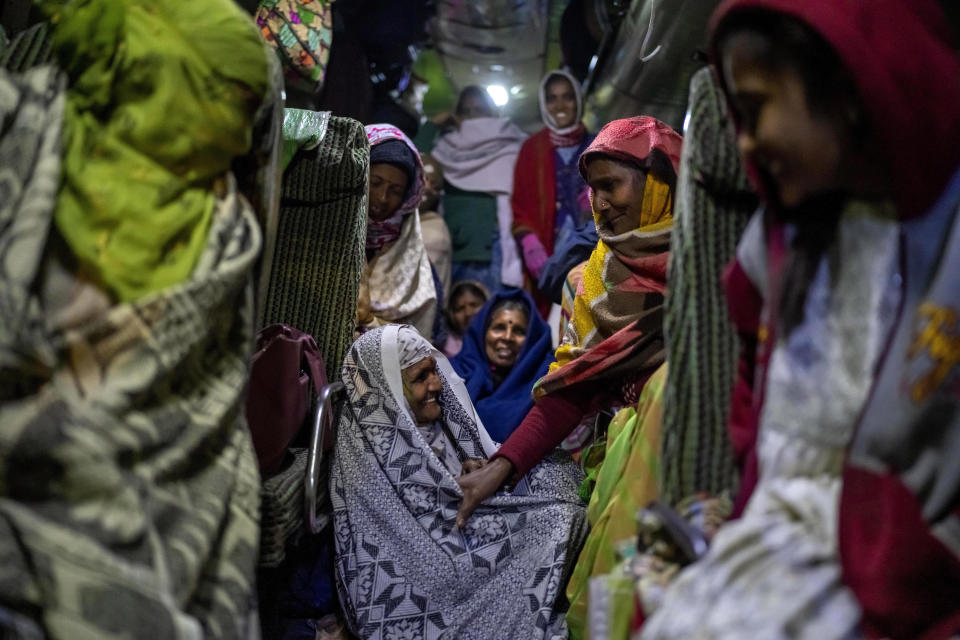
(912, 111)
(616, 330)
(399, 278)
(143, 152)
(394, 510)
(502, 407)
(412, 347)
(562, 136)
(396, 153)
(383, 149)
(631, 140)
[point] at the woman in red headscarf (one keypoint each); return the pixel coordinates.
(846, 289)
(614, 342)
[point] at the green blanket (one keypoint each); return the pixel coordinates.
(161, 97)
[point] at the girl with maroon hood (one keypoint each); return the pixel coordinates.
(846, 288)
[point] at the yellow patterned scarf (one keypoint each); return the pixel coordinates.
(606, 301)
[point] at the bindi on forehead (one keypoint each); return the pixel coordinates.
(509, 318)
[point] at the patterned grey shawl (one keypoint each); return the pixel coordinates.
(128, 499)
(403, 568)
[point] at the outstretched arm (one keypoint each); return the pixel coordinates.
(551, 420)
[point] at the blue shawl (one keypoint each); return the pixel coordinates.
(502, 408)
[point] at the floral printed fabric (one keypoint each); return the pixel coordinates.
(301, 31)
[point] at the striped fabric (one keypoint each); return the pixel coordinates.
(319, 250)
(714, 202)
(569, 294)
(29, 48)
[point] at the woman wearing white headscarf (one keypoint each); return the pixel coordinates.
(549, 198)
(407, 430)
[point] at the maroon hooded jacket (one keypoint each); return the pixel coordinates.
(900, 508)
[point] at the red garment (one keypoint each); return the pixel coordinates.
(534, 199)
(556, 415)
(745, 305)
(534, 196)
(552, 419)
(905, 67)
(633, 138)
(898, 52)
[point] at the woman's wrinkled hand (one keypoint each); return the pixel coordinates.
(472, 464)
(480, 484)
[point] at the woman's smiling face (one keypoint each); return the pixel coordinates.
(560, 101)
(505, 337)
(799, 152)
(421, 388)
(617, 193)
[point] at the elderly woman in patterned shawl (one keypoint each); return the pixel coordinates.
(404, 567)
(398, 283)
(614, 341)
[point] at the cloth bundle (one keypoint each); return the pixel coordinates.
(301, 32)
(162, 97)
(129, 507)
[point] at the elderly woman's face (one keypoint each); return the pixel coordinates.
(505, 337)
(421, 388)
(617, 194)
(388, 186)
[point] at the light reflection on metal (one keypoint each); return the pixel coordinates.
(648, 66)
(495, 43)
(609, 15)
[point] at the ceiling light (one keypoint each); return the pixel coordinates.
(498, 94)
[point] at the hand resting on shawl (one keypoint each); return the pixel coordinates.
(472, 464)
(479, 485)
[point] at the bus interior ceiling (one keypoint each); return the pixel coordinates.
(398, 60)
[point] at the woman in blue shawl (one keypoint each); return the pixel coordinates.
(506, 349)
